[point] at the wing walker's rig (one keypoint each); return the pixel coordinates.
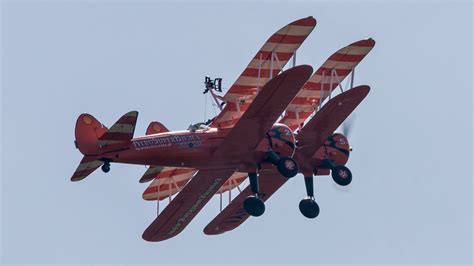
(272, 124)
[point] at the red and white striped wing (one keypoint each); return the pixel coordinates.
(263, 66)
(336, 68)
(168, 182)
(232, 182)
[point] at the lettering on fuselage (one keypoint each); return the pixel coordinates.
(196, 205)
(189, 141)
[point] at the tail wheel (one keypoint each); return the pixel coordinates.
(287, 167)
(254, 206)
(341, 175)
(106, 167)
(309, 208)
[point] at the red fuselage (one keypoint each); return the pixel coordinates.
(193, 149)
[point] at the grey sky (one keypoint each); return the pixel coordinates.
(411, 198)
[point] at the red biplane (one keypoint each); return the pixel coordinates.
(243, 140)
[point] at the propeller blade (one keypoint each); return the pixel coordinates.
(348, 125)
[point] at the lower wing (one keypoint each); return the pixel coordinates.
(234, 214)
(186, 205)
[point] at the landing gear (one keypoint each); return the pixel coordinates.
(308, 206)
(341, 175)
(253, 205)
(106, 167)
(285, 165)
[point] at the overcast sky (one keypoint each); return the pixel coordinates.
(411, 197)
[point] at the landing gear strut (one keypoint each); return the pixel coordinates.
(253, 205)
(106, 167)
(308, 206)
(285, 165)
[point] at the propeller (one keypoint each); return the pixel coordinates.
(348, 125)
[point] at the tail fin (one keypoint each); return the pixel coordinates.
(121, 132)
(86, 167)
(155, 128)
(88, 132)
(91, 135)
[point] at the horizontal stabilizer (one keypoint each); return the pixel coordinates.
(86, 167)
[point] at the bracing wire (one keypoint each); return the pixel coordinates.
(205, 108)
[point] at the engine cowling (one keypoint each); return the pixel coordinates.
(282, 140)
(335, 148)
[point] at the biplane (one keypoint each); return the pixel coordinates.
(273, 124)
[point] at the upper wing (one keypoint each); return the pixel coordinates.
(336, 68)
(262, 68)
(234, 214)
(328, 119)
(263, 112)
(311, 137)
(242, 139)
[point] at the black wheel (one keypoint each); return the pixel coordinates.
(341, 175)
(309, 208)
(287, 167)
(254, 206)
(105, 167)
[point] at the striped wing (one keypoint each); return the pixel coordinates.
(171, 180)
(267, 63)
(168, 182)
(336, 68)
(233, 182)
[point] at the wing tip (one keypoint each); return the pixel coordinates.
(307, 21)
(212, 231)
(305, 70)
(369, 42)
(362, 89)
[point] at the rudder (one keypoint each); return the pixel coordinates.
(88, 131)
